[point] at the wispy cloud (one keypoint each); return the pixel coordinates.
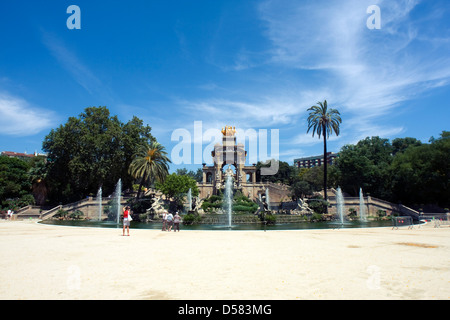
(79, 71)
(19, 118)
(369, 73)
(256, 108)
(323, 50)
(244, 112)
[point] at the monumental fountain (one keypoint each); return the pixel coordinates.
(241, 178)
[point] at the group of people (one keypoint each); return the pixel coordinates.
(169, 221)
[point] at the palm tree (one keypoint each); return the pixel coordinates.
(324, 121)
(150, 162)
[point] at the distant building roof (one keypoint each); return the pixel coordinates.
(12, 154)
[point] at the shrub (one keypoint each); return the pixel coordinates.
(76, 215)
(192, 218)
(316, 217)
(214, 198)
(270, 219)
(318, 205)
(245, 207)
(61, 214)
(241, 204)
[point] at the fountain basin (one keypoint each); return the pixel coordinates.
(234, 227)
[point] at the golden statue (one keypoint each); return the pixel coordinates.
(229, 131)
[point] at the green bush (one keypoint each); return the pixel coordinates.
(316, 217)
(191, 218)
(214, 198)
(270, 219)
(318, 205)
(241, 204)
(61, 214)
(76, 215)
(248, 208)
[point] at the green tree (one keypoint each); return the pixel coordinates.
(196, 175)
(324, 121)
(91, 150)
(366, 165)
(285, 174)
(421, 173)
(14, 182)
(150, 164)
(314, 177)
(300, 189)
(401, 144)
(175, 187)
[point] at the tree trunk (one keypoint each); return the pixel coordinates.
(140, 185)
(325, 164)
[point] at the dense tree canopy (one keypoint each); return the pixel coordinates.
(15, 184)
(92, 150)
(421, 173)
(406, 171)
(366, 165)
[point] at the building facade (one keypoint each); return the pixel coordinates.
(315, 161)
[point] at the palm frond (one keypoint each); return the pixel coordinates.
(323, 120)
(150, 162)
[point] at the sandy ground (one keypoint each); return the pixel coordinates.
(53, 262)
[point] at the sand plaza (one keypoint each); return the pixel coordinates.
(53, 262)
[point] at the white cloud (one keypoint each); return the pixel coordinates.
(19, 118)
(368, 73)
(268, 110)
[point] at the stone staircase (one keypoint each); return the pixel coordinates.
(88, 206)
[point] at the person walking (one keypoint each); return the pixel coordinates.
(170, 221)
(164, 221)
(126, 220)
(176, 222)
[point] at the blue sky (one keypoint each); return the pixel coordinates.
(250, 64)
